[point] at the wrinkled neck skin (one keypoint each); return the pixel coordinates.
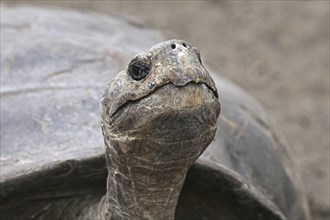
(140, 189)
(149, 149)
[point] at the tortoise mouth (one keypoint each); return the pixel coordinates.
(130, 101)
(184, 109)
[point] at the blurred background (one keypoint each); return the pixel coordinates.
(276, 50)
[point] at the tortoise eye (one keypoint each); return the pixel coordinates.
(139, 68)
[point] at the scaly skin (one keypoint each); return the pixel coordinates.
(157, 117)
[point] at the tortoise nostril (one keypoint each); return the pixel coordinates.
(184, 44)
(173, 46)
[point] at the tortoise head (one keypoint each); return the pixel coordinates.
(167, 96)
(157, 117)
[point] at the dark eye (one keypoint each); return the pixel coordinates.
(139, 68)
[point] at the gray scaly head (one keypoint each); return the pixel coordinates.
(157, 117)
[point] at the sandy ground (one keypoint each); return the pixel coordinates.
(276, 50)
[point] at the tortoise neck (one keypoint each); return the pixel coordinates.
(138, 188)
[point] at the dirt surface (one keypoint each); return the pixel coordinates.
(278, 51)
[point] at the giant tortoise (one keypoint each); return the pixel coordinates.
(157, 116)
